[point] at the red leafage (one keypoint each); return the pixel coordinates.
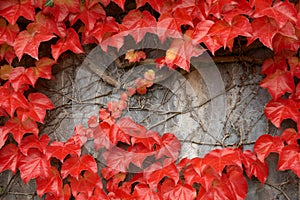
(218, 159)
(90, 13)
(266, 144)
(254, 166)
(11, 100)
(70, 42)
(12, 10)
(118, 158)
(135, 56)
(43, 68)
(270, 65)
(279, 83)
(99, 194)
(8, 32)
(103, 30)
(181, 51)
(260, 4)
(19, 128)
(149, 139)
(86, 183)
(51, 184)
(129, 127)
(7, 52)
(139, 154)
(280, 109)
(38, 104)
(28, 41)
(138, 23)
(34, 165)
(198, 10)
(9, 156)
(80, 135)
(113, 183)
(75, 164)
(47, 21)
(289, 158)
(142, 191)
(20, 76)
(264, 28)
(169, 25)
(282, 12)
(178, 191)
(170, 147)
(32, 141)
(290, 136)
(156, 172)
(120, 3)
(65, 194)
(60, 150)
(281, 43)
(3, 136)
(100, 135)
(155, 4)
(294, 66)
(193, 172)
(226, 32)
(201, 30)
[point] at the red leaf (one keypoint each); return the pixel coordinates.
(3, 136)
(218, 159)
(65, 194)
(156, 172)
(264, 28)
(138, 23)
(32, 141)
(170, 147)
(170, 25)
(9, 156)
(193, 172)
(7, 52)
(12, 10)
(180, 191)
(260, 4)
(281, 43)
(270, 65)
(279, 83)
(201, 30)
(290, 136)
(51, 184)
(60, 150)
(149, 139)
(101, 138)
(75, 164)
(218, 190)
(282, 12)
(28, 41)
(226, 32)
(34, 165)
(289, 158)
(11, 100)
(85, 184)
(142, 191)
(120, 3)
(20, 128)
(49, 24)
(70, 42)
(20, 76)
(113, 183)
(135, 56)
(155, 4)
(104, 30)
(266, 144)
(294, 66)
(118, 158)
(280, 109)
(180, 53)
(43, 68)
(38, 104)
(8, 32)
(89, 14)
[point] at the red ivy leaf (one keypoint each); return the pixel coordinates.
(281, 43)
(8, 32)
(290, 136)
(155, 4)
(85, 184)
(170, 147)
(289, 158)
(43, 68)
(135, 56)
(20, 128)
(75, 164)
(280, 11)
(142, 191)
(264, 28)
(60, 150)
(103, 30)
(3, 136)
(118, 158)
(218, 159)
(180, 191)
(12, 10)
(28, 41)
(280, 109)
(279, 83)
(70, 42)
(9, 156)
(20, 76)
(254, 166)
(120, 3)
(7, 52)
(11, 100)
(294, 66)
(34, 165)
(38, 104)
(266, 144)
(270, 65)
(32, 141)
(49, 24)
(51, 184)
